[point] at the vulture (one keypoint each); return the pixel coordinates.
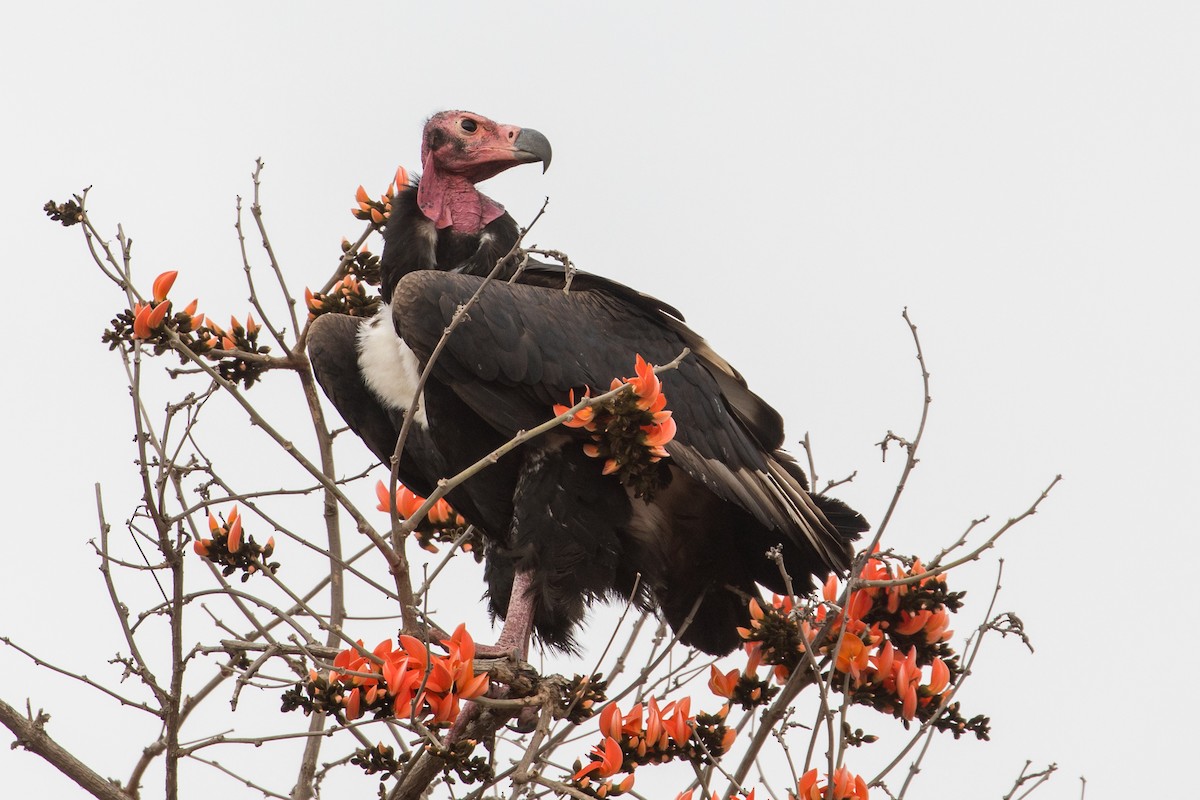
(689, 537)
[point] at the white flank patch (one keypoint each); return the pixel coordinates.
(389, 368)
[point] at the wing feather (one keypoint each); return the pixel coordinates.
(523, 348)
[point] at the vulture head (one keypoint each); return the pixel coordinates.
(458, 150)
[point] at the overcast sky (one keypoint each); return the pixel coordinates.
(1022, 176)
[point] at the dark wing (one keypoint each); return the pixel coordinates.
(524, 347)
(764, 422)
(333, 352)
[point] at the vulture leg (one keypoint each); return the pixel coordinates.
(518, 623)
(562, 548)
(513, 642)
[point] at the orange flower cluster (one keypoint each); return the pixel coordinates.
(776, 636)
(152, 321)
(152, 316)
(742, 687)
(347, 296)
(149, 322)
(844, 786)
(582, 695)
(401, 682)
(650, 735)
(227, 547)
(880, 621)
(631, 431)
(380, 758)
(892, 642)
(688, 796)
(239, 337)
(361, 263)
(441, 524)
(607, 760)
(377, 211)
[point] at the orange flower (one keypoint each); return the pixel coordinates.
(645, 384)
(235, 531)
(853, 657)
(389, 680)
(440, 513)
(911, 623)
(607, 760)
(859, 604)
(159, 314)
(147, 319)
(939, 678)
(679, 726)
(829, 590)
(141, 321)
(407, 501)
(610, 721)
(581, 418)
(352, 704)
(883, 662)
(163, 284)
(936, 627)
(660, 432)
(722, 684)
(906, 675)
(845, 786)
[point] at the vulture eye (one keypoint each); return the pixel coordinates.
(469, 125)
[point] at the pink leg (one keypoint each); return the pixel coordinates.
(513, 641)
(518, 623)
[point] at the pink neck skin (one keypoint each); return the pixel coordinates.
(452, 201)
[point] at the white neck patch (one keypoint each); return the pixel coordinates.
(389, 368)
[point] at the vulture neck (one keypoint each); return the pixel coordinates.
(453, 201)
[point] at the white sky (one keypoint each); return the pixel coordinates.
(1023, 177)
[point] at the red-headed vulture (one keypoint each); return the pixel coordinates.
(566, 519)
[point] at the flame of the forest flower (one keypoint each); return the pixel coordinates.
(629, 432)
(403, 681)
(844, 786)
(379, 210)
(162, 285)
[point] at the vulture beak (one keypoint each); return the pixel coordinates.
(531, 146)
